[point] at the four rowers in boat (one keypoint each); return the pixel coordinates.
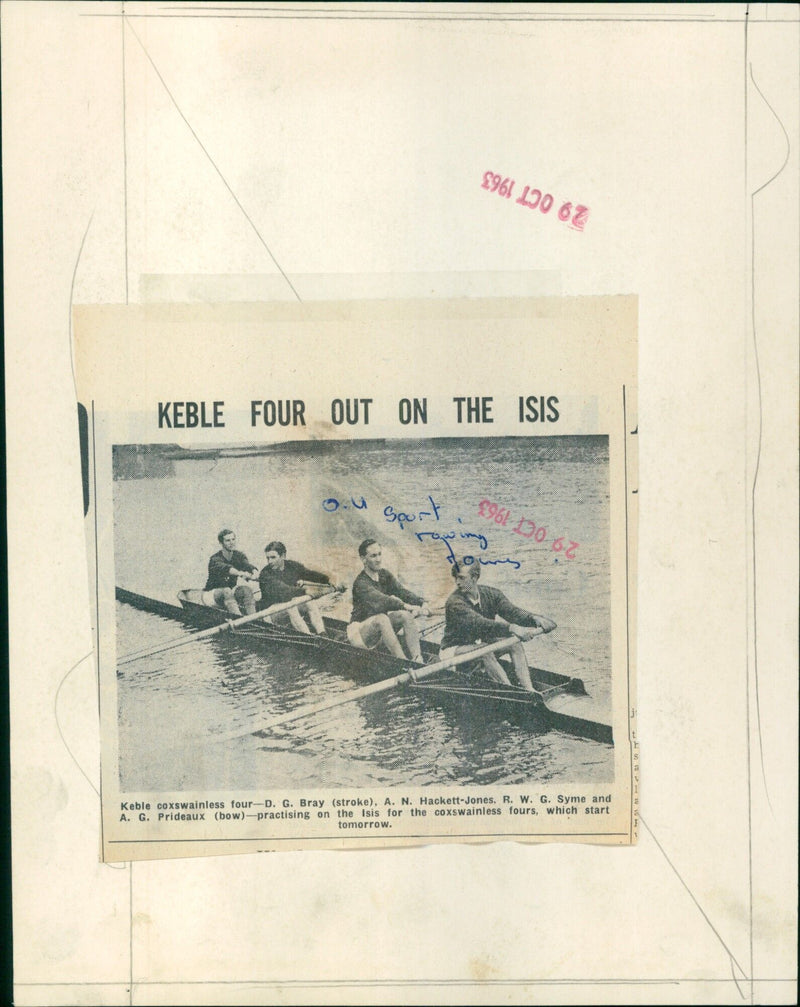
(384, 610)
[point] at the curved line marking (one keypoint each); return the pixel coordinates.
(760, 433)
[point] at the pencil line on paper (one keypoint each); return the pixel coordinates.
(130, 932)
(84, 774)
(97, 616)
(759, 435)
(213, 163)
(783, 128)
(496, 19)
(485, 15)
(71, 754)
(694, 899)
(343, 14)
(71, 296)
(627, 606)
(739, 989)
(124, 148)
(337, 983)
(404, 835)
(751, 520)
(115, 867)
(748, 630)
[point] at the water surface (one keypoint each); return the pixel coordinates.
(322, 503)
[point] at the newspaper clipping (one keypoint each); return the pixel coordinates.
(364, 573)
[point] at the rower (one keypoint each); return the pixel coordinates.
(225, 569)
(283, 579)
(383, 608)
(484, 614)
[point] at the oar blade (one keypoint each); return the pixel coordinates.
(229, 624)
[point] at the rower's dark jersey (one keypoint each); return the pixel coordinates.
(386, 594)
(219, 569)
(282, 585)
(467, 623)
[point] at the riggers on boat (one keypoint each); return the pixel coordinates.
(559, 702)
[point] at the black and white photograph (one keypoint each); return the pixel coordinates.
(304, 615)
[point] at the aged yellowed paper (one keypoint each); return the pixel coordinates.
(468, 469)
(208, 152)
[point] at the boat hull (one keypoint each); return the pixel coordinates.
(560, 701)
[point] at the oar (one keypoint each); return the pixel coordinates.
(370, 690)
(318, 589)
(228, 624)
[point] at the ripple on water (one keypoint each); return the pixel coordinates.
(172, 704)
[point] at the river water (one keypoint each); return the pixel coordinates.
(423, 501)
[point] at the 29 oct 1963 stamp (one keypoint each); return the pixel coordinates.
(575, 215)
(334, 619)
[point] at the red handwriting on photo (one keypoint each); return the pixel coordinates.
(525, 527)
(575, 216)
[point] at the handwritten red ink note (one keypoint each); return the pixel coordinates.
(525, 527)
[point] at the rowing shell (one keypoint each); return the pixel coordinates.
(559, 702)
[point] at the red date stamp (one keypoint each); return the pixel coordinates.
(573, 215)
(525, 527)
